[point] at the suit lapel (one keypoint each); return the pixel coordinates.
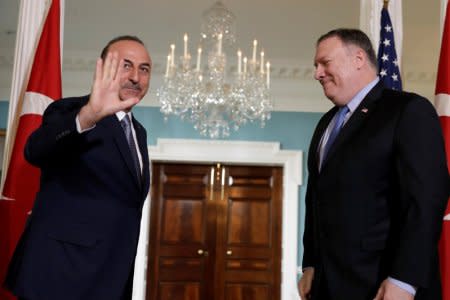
(359, 116)
(314, 150)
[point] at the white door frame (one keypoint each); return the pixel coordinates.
(233, 152)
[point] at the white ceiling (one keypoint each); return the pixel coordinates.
(287, 29)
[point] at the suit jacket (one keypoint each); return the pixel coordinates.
(81, 239)
(375, 208)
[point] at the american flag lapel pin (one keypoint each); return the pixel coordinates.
(364, 110)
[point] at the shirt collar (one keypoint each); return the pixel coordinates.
(121, 114)
(353, 104)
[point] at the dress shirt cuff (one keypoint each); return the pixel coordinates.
(407, 287)
(77, 121)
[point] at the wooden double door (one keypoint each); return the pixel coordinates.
(215, 233)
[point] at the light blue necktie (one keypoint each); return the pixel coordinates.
(340, 117)
(126, 125)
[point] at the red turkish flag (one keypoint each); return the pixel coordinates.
(43, 87)
(443, 108)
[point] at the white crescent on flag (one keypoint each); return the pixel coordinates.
(447, 217)
(442, 104)
(35, 103)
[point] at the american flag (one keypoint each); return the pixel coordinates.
(387, 56)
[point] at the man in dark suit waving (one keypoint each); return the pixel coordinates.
(378, 183)
(81, 238)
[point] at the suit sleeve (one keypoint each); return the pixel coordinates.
(56, 135)
(421, 171)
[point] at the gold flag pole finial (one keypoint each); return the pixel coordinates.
(385, 4)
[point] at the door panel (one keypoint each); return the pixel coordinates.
(215, 233)
(180, 291)
(179, 247)
(252, 243)
(247, 223)
(247, 291)
(182, 221)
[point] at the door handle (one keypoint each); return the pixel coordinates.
(229, 252)
(202, 252)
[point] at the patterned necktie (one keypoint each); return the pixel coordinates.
(126, 125)
(340, 116)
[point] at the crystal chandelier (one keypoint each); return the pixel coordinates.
(202, 94)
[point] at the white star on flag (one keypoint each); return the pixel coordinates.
(387, 42)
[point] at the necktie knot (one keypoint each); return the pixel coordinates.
(126, 124)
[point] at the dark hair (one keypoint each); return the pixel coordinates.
(355, 37)
(118, 39)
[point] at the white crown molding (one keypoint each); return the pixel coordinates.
(280, 69)
(293, 87)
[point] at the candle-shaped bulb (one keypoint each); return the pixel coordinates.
(239, 54)
(255, 44)
(172, 54)
(185, 38)
(245, 65)
(219, 45)
(262, 62)
(168, 65)
(199, 56)
(268, 74)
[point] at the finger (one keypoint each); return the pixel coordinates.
(98, 69)
(128, 103)
(307, 291)
(115, 66)
(303, 290)
(379, 295)
(302, 294)
(108, 65)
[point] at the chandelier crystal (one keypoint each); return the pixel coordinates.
(204, 95)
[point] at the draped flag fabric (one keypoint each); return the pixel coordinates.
(42, 78)
(388, 64)
(442, 102)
